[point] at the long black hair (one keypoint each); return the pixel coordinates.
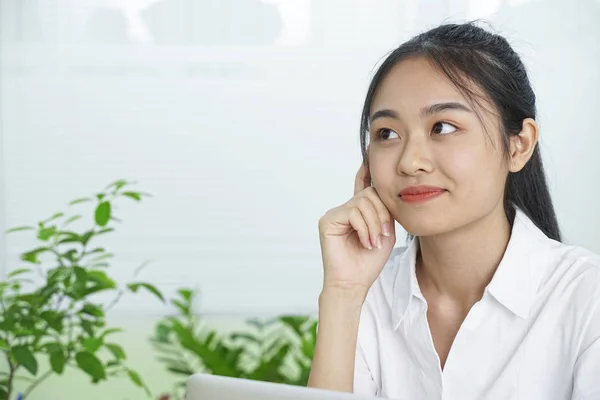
(466, 54)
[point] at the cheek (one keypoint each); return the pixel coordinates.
(381, 167)
(475, 170)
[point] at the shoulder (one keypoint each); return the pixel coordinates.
(569, 286)
(570, 266)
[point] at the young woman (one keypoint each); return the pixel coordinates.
(485, 302)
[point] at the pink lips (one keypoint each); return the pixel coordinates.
(417, 194)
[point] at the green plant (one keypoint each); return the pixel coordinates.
(279, 350)
(50, 308)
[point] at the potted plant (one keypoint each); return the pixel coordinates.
(278, 350)
(49, 309)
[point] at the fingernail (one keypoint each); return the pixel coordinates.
(370, 245)
(379, 244)
(386, 229)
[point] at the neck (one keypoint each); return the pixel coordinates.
(458, 265)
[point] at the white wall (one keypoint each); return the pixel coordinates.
(243, 123)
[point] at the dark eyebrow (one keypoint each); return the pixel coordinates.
(436, 108)
(426, 111)
(384, 114)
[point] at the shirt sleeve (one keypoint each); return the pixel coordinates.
(586, 379)
(364, 383)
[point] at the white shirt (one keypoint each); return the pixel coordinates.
(534, 335)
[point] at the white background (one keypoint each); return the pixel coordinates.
(241, 119)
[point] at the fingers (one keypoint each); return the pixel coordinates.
(362, 179)
(365, 213)
(359, 224)
(376, 220)
(385, 218)
(369, 213)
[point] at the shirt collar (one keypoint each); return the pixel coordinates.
(406, 286)
(515, 281)
(518, 276)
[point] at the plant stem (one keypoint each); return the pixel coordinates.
(11, 376)
(36, 383)
(115, 300)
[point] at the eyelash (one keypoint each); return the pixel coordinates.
(379, 131)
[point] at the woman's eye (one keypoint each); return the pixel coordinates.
(385, 134)
(443, 128)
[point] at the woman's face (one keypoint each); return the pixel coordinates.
(424, 132)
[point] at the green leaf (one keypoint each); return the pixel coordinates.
(118, 184)
(7, 325)
(133, 195)
(58, 274)
(183, 308)
(72, 219)
(54, 319)
(102, 279)
(295, 323)
(81, 275)
(87, 326)
(210, 337)
(313, 330)
(17, 272)
(54, 217)
(94, 251)
(3, 393)
(308, 349)
(23, 333)
(3, 345)
(258, 324)
(161, 332)
(186, 293)
(92, 344)
(32, 256)
(45, 234)
(110, 331)
(172, 361)
(20, 228)
(116, 350)
(85, 238)
(25, 357)
(100, 265)
(70, 255)
(113, 364)
(103, 213)
(52, 347)
(101, 257)
(69, 237)
(152, 289)
(91, 365)
(57, 362)
(92, 309)
(135, 377)
(180, 370)
(245, 336)
(80, 200)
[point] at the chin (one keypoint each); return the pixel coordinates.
(424, 231)
(418, 224)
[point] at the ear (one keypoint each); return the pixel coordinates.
(523, 145)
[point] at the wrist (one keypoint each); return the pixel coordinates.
(343, 296)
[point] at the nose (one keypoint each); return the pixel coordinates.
(415, 157)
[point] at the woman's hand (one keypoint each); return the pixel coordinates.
(357, 238)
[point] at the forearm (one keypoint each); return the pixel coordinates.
(333, 361)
